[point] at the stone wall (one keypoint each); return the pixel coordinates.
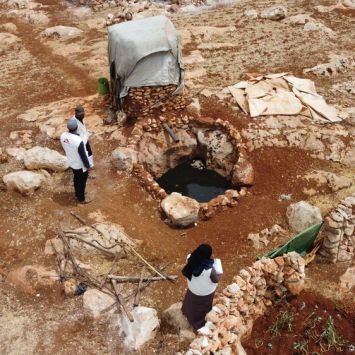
(339, 237)
(145, 100)
(237, 307)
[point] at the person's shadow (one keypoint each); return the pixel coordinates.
(65, 198)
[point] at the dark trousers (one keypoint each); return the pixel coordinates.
(79, 183)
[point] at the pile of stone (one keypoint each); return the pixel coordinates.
(339, 238)
(236, 308)
(145, 100)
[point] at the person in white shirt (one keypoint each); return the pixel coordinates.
(202, 280)
(77, 158)
(82, 131)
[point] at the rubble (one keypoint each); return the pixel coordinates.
(239, 304)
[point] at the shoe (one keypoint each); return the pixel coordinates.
(92, 177)
(87, 200)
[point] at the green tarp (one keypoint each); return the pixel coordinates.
(301, 243)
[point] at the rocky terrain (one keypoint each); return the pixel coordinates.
(52, 53)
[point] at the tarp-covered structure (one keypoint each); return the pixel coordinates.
(145, 52)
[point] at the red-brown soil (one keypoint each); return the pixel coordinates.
(308, 315)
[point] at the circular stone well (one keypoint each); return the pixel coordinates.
(150, 152)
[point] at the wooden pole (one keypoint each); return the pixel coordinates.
(137, 278)
(138, 294)
(121, 301)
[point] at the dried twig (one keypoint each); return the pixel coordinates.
(138, 294)
(146, 284)
(121, 301)
(87, 223)
(108, 253)
(137, 278)
(74, 232)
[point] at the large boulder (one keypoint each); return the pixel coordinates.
(143, 329)
(45, 158)
(123, 158)
(302, 215)
(274, 13)
(24, 181)
(181, 210)
(179, 322)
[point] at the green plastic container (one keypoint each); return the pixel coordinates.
(103, 86)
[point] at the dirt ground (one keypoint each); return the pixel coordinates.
(32, 75)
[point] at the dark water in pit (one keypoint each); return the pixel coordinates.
(200, 184)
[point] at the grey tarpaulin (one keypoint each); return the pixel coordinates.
(145, 52)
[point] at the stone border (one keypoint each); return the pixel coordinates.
(339, 237)
(242, 171)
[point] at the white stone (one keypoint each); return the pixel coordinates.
(123, 158)
(233, 288)
(45, 158)
(208, 2)
(60, 32)
(251, 14)
(143, 329)
(274, 13)
(96, 301)
(17, 153)
(180, 209)
(302, 215)
(24, 181)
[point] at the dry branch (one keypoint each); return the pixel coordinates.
(137, 278)
(138, 294)
(121, 301)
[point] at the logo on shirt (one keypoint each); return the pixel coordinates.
(66, 140)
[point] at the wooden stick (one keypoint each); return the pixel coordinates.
(87, 223)
(74, 232)
(145, 262)
(145, 285)
(93, 245)
(121, 301)
(62, 262)
(138, 294)
(137, 278)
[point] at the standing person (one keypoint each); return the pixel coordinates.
(202, 281)
(82, 131)
(77, 157)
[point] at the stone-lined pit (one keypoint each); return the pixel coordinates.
(150, 152)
